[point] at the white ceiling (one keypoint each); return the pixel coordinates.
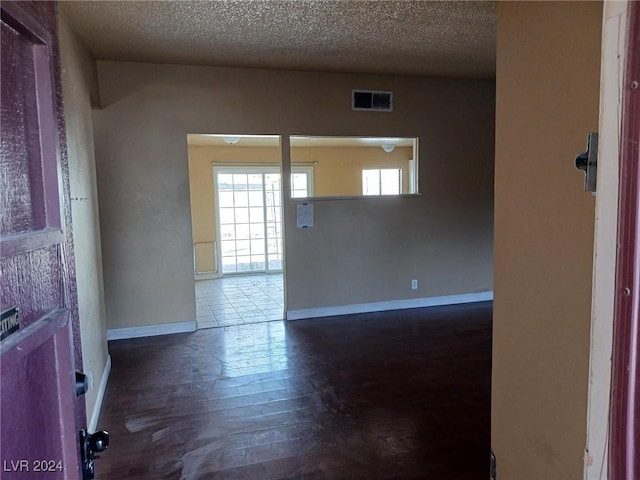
(408, 37)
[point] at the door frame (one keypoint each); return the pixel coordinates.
(246, 168)
(625, 387)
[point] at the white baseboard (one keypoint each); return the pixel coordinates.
(95, 415)
(151, 330)
(206, 276)
(389, 305)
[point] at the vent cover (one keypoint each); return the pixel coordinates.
(371, 100)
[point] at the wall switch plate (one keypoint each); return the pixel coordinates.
(414, 284)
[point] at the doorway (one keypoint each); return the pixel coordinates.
(236, 211)
(237, 198)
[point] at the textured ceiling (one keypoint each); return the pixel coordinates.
(431, 38)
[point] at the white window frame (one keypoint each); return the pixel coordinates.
(379, 170)
(309, 172)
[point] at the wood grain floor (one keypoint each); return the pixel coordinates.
(393, 395)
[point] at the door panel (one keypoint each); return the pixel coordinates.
(40, 415)
(31, 208)
(624, 458)
(39, 436)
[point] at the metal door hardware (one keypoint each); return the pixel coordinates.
(90, 444)
(82, 384)
(493, 467)
(588, 162)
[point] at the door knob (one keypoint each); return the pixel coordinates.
(99, 441)
(90, 444)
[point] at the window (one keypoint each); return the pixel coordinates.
(337, 164)
(250, 215)
(301, 182)
(382, 181)
(249, 219)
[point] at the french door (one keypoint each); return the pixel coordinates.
(249, 219)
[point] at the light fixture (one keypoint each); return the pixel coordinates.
(388, 147)
(231, 140)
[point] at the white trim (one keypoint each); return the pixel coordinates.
(379, 170)
(614, 34)
(95, 415)
(206, 276)
(389, 305)
(151, 330)
(308, 171)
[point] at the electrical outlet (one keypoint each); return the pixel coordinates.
(414, 284)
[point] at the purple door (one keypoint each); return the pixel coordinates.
(40, 415)
(624, 447)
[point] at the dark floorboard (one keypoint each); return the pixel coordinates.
(393, 395)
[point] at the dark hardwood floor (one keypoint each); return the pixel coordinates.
(393, 395)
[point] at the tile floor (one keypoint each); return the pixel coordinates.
(239, 300)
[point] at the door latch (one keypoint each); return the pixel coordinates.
(82, 384)
(90, 444)
(588, 162)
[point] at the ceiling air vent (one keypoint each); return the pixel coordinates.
(371, 100)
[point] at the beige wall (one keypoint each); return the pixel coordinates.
(612, 76)
(79, 80)
(362, 250)
(548, 60)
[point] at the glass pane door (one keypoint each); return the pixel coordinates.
(272, 193)
(249, 219)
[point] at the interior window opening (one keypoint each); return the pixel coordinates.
(356, 166)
